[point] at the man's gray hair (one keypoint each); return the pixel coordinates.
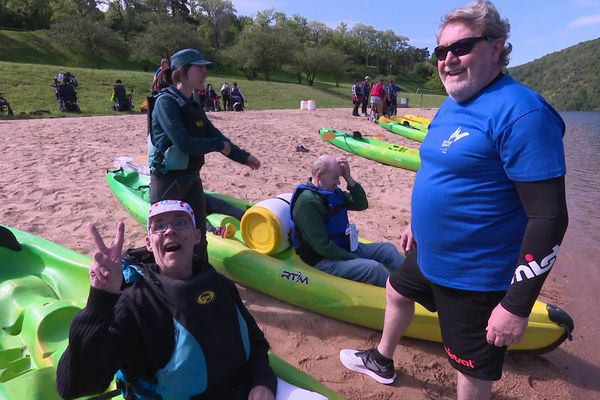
(321, 164)
(482, 15)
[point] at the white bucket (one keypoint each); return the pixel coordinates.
(312, 105)
(304, 104)
(265, 225)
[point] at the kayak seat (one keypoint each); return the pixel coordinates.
(8, 239)
(31, 315)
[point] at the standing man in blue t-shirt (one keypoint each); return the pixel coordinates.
(488, 209)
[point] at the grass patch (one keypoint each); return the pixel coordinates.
(38, 47)
(29, 87)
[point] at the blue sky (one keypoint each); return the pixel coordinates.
(538, 27)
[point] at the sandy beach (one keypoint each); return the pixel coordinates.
(53, 184)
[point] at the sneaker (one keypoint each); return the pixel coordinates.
(363, 362)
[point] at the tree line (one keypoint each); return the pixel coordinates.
(271, 41)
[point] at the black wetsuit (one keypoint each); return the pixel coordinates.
(202, 320)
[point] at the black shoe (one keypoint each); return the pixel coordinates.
(302, 149)
(363, 362)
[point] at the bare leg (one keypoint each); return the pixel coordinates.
(469, 388)
(399, 312)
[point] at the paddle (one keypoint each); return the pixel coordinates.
(330, 135)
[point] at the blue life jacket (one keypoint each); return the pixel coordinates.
(192, 309)
(163, 155)
(335, 223)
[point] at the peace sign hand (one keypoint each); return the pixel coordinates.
(105, 270)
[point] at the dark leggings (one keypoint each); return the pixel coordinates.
(216, 205)
(189, 189)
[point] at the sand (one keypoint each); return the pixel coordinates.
(52, 184)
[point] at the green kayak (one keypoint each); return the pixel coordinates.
(418, 125)
(383, 152)
(405, 129)
(286, 277)
(42, 287)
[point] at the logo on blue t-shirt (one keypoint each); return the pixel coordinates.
(456, 136)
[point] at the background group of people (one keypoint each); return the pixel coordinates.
(232, 97)
(381, 97)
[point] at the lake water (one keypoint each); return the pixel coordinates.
(578, 267)
(582, 148)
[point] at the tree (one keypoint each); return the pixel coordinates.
(126, 16)
(319, 34)
(264, 46)
(25, 14)
(217, 15)
(314, 61)
(363, 37)
(164, 38)
(340, 38)
(87, 9)
(87, 36)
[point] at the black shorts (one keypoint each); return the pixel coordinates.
(463, 317)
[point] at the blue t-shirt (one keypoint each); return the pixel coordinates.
(467, 218)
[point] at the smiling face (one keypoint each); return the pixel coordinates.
(171, 238)
(465, 76)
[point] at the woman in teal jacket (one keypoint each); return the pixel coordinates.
(181, 135)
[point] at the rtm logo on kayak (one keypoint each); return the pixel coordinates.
(295, 277)
(533, 269)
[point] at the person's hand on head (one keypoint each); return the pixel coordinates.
(344, 167)
(226, 148)
(253, 162)
(261, 393)
(105, 270)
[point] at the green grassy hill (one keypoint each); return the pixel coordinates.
(568, 79)
(30, 60)
(37, 47)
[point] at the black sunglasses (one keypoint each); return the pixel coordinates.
(460, 47)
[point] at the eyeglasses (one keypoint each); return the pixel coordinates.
(460, 47)
(178, 224)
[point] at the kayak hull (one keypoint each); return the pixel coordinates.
(286, 277)
(407, 130)
(376, 150)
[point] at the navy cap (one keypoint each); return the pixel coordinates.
(188, 56)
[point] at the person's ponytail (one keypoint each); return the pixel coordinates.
(163, 80)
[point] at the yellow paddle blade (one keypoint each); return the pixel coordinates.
(329, 135)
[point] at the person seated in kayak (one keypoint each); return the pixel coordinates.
(321, 234)
(173, 328)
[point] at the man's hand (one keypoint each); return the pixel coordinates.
(345, 170)
(226, 148)
(105, 271)
(505, 328)
(407, 242)
(253, 162)
(261, 393)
